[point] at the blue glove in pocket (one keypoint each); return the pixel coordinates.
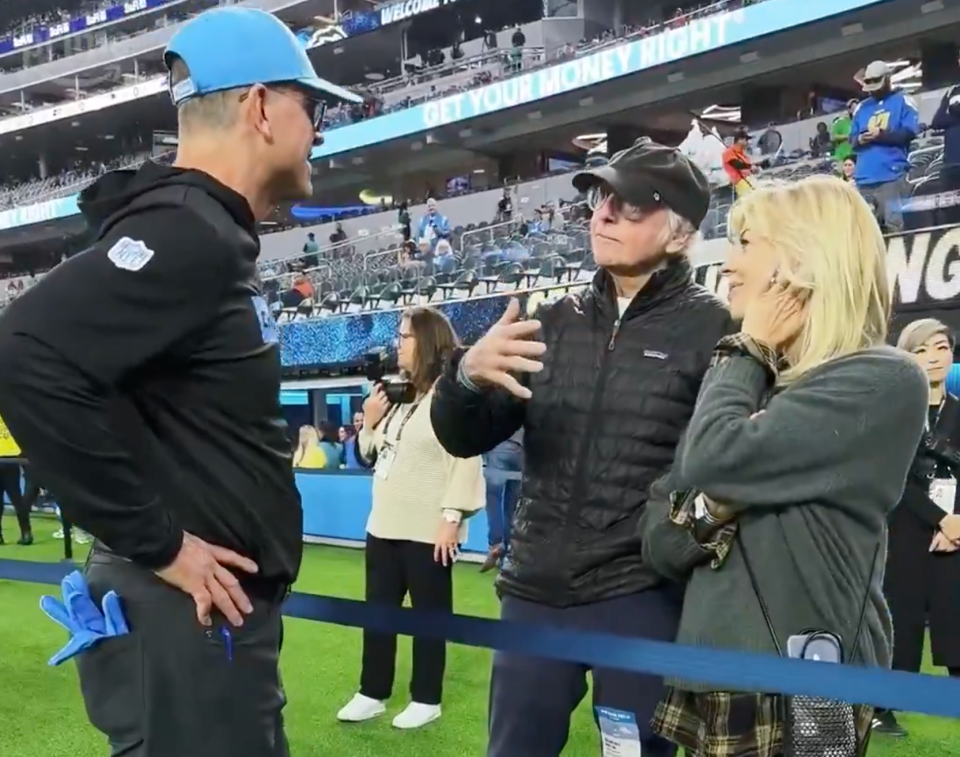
(86, 623)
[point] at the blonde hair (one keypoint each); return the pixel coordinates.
(309, 439)
(832, 250)
(917, 333)
(218, 110)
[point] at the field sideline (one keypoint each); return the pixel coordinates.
(41, 714)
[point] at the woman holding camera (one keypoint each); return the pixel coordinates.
(922, 580)
(775, 512)
(422, 497)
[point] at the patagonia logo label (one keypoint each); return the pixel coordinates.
(655, 355)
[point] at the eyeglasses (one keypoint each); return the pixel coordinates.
(314, 107)
(600, 193)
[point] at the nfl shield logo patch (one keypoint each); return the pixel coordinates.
(129, 254)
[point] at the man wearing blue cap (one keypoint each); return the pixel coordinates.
(142, 379)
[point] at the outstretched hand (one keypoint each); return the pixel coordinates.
(507, 348)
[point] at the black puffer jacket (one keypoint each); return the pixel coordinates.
(605, 418)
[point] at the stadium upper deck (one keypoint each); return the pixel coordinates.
(453, 130)
(682, 64)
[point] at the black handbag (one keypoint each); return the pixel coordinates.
(813, 726)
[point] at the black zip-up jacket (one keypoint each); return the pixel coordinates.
(142, 376)
(615, 394)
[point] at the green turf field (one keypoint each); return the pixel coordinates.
(41, 714)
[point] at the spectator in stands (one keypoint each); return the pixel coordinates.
(848, 168)
(403, 218)
(500, 465)
(424, 253)
(549, 218)
(737, 163)
(348, 440)
(310, 251)
(301, 291)
(535, 225)
(770, 140)
(922, 579)
(504, 207)
(884, 125)
(433, 226)
(330, 444)
(443, 254)
(602, 400)
(421, 499)
(309, 454)
(947, 120)
(840, 133)
(339, 236)
(788, 453)
(410, 256)
(821, 143)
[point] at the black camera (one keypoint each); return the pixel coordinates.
(398, 392)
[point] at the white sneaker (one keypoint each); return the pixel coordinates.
(416, 715)
(361, 708)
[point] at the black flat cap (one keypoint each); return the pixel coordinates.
(648, 173)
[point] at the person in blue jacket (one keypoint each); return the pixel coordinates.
(433, 226)
(503, 490)
(884, 126)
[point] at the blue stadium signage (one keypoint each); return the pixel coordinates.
(405, 9)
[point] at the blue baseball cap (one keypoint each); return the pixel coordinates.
(234, 47)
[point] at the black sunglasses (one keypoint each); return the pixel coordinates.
(314, 107)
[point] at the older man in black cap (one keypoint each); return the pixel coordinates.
(603, 383)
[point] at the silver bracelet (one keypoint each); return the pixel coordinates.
(464, 380)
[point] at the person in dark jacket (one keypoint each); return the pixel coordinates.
(922, 579)
(142, 380)
(608, 378)
(947, 120)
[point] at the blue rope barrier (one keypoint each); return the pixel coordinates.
(738, 671)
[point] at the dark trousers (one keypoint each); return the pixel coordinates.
(10, 485)
(532, 699)
(31, 488)
(173, 687)
(394, 568)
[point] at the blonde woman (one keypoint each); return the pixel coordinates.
(422, 497)
(309, 454)
(775, 511)
(922, 579)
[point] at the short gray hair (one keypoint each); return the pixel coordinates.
(218, 110)
(681, 230)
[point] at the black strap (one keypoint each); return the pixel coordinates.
(766, 614)
(403, 423)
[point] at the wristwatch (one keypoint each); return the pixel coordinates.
(452, 516)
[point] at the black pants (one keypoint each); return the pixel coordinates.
(31, 488)
(532, 699)
(394, 568)
(173, 687)
(10, 484)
